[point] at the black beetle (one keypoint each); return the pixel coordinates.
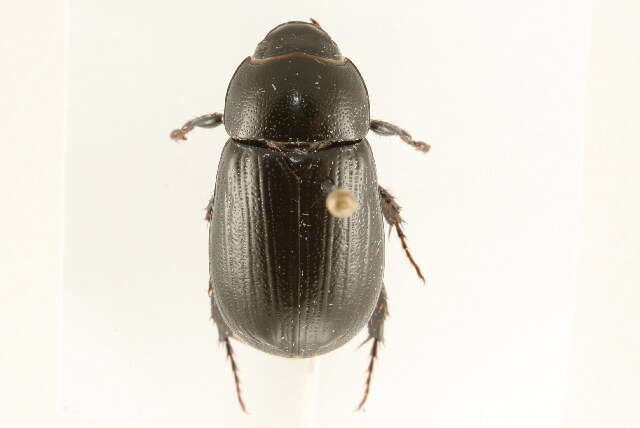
(296, 242)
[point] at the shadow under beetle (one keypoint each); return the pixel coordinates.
(296, 239)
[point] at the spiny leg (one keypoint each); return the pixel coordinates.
(376, 335)
(224, 336)
(391, 213)
(205, 121)
(385, 128)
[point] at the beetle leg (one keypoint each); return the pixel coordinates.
(209, 210)
(391, 213)
(205, 121)
(224, 336)
(376, 335)
(385, 128)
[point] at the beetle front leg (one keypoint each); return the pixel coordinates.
(385, 128)
(391, 213)
(224, 336)
(376, 335)
(205, 121)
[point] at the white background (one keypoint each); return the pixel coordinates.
(494, 213)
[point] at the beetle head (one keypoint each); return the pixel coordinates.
(298, 36)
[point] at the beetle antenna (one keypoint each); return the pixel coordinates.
(385, 128)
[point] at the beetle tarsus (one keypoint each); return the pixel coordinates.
(224, 337)
(385, 128)
(234, 369)
(405, 247)
(376, 334)
(205, 121)
(178, 135)
(367, 384)
(391, 213)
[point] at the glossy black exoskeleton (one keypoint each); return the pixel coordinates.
(296, 242)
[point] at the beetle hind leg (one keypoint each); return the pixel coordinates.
(376, 336)
(224, 338)
(391, 213)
